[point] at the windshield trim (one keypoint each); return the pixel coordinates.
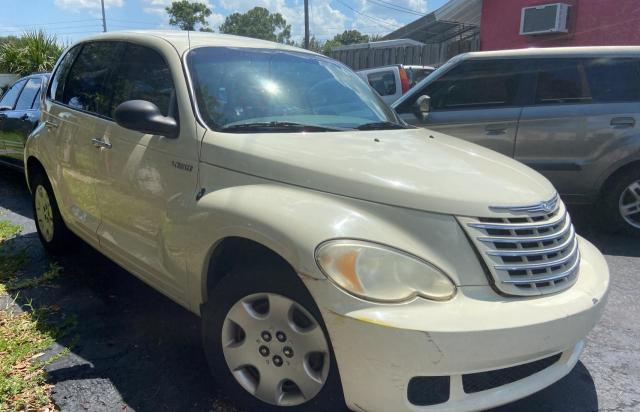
(194, 101)
(192, 93)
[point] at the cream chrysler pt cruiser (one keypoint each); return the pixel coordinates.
(336, 256)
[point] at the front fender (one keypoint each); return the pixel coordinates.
(292, 221)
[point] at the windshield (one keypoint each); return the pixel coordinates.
(245, 86)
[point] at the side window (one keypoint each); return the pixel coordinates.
(56, 88)
(383, 82)
(561, 81)
(88, 85)
(11, 96)
(36, 100)
(29, 93)
(614, 80)
(475, 84)
(142, 75)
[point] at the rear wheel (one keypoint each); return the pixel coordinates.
(266, 343)
(52, 231)
(621, 204)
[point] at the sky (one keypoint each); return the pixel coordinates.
(70, 20)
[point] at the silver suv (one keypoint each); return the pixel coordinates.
(570, 113)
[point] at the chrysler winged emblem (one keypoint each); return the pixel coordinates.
(544, 207)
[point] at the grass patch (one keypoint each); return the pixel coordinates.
(23, 383)
(8, 230)
(25, 336)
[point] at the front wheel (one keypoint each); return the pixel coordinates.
(621, 204)
(266, 344)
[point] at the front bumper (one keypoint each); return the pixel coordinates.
(380, 348)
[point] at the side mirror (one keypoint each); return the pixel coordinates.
(423, 106)
(145, 117)
(4, 108)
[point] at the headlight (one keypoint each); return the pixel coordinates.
(380, 273)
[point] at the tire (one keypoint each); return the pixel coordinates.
(52, 231)
(623, 193)
(275, 282)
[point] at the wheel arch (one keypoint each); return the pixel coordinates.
(34, 166)
(610, 177)
(233, 251)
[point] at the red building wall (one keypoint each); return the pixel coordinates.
(591, 23)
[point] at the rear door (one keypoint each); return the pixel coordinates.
(22, 120)
(582, 113)
(80, 92)
(476, 100)
(7, 105)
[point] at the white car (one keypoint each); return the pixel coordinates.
(391, 82)
(336, 256)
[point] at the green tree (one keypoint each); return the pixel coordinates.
(258, 23)
(343, 39)
(32, 52)
(187, 15)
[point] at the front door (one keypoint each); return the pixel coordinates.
(141, 192)
(476, 100)
(582, 112)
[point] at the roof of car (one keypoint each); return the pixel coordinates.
(182, 40)
(558, 52)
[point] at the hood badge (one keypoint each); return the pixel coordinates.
(542, 207)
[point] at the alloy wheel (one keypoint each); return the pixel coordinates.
(275, 349)
(629, 204)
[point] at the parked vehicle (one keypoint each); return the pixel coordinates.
(19, 115)
(391, 82)
(572, 114)
(328, 247)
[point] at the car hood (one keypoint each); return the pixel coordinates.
(413, 168)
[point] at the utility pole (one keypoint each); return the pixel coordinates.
(306, 24)
(104, 19)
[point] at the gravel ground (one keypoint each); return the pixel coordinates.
(136, 350)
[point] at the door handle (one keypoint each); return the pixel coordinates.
(623, 122)
(50, 125)
(493, 129)
(101, 144)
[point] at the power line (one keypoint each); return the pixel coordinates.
(396, 7)
(134, 22)
(51, 23)
(48, 30)
(375, 19)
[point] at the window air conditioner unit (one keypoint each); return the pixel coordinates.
(545, 18)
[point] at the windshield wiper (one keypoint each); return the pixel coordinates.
(381, 126)
(276, 126)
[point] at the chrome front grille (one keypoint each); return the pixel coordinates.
(530, 252)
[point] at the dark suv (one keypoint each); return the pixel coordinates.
(19, 115)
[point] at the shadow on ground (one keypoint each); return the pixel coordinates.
(132, 348)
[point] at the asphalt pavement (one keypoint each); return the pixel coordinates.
(133, 349)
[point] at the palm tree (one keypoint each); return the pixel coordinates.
(34, 51)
